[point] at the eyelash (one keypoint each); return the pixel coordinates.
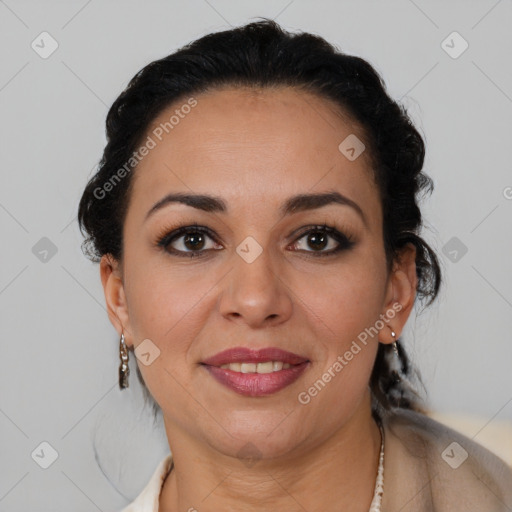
(166, 238)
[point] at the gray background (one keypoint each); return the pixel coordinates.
(59, 351)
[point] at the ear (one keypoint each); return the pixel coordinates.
(115, 298)
(400, 294)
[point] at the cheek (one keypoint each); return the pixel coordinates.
(162, 297)
(168, 313)
(347, 345)
(343, 307)
(168, 307)
(344, 300)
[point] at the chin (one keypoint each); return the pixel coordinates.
(268, 437)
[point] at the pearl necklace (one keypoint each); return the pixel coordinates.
(379, 482)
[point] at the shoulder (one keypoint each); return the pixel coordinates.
(459, 471)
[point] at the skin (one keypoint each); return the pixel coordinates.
(255, 149)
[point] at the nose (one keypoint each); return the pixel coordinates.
(255, 292)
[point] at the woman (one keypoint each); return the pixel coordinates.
(256, 222)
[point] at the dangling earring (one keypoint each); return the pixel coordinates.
(396, 373)
(395, 348)
(124, 370)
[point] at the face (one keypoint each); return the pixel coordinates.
(310, 280)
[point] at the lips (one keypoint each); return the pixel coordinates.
(256, 384)
(246, 355)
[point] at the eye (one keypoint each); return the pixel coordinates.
(191, 241)
(318, 237)
(188, 241)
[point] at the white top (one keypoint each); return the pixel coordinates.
(147, 500)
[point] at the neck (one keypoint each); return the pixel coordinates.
(338, 474)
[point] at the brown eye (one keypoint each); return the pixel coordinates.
(193, 241)
(317, 240)
(189, 241)
(324, 237)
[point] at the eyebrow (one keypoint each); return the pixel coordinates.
(294, 204)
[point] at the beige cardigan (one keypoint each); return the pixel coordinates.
(428, 467)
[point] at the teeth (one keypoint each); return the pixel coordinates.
(266, 367)
(248, 367)
(277, 365)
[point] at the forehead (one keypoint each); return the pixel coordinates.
(254, 144)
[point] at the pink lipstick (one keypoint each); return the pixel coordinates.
(281, 368)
